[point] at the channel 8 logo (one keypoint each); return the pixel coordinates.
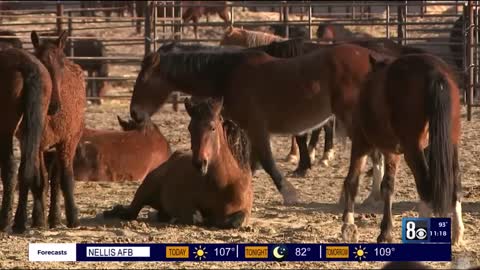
(415, 230)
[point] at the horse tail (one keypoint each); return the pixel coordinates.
(439, 108)
(32, 95)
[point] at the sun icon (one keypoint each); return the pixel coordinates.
(360, 253)
(200, 253)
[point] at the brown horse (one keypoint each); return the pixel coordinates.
(108, 155)
(211, 186)
(63, 130)
(25, 93)
(286, 96)
(198, 9)
(405, 106)
(261, 41)
(10, 42)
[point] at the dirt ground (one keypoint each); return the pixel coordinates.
(316, 219)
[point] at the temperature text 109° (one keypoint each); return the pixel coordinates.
(384, 252)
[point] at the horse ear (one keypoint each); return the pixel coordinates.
(229, 31)
(62, 40)
(188, 106)
(124, 124)
(35, 39)
(217, 104)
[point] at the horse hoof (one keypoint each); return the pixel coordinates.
(384, 238)
(349, 233)
(292, 158)
(289, 194)
(19, 229)
(197, 217)
(73, 224)
(325, 162)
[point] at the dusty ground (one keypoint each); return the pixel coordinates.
(316, 219)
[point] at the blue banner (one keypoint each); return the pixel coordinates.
(263, 252)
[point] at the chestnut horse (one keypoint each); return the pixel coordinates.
(406, 105)
(212, 186)
(198, 9)
(284, 49)
(283, 96)
(64, 129)
(25, 93)
(110, 155)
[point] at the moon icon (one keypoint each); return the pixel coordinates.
(279, 253)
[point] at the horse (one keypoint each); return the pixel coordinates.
(27, 97)
(127, 155)
(261, 40)
(284, 96)
(211, 186)
(294, 31)
(405, 105)
(91, 47)
(197, 10)
(12, 42)
(334, 33)
(62, 130)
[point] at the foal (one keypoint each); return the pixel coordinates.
(215, 180)
(110, 155)
(62, 130)
(405, 106)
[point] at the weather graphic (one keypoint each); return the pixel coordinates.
(200, 253)
(360, 253)
(280, 253)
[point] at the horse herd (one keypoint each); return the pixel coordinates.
(388, 99)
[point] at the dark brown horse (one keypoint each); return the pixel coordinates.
(26, 95)
(405, 106)
(110, 155)
(330, 32)
(198, 9)
(63, 130)
(212, 186)
(10, 42)
(286, 96)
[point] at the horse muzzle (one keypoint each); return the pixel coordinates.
(201, 165)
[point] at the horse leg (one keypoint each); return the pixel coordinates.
(457, 223)
(144, 194)
(358, 158)
(312, 144)
(254, 162)
(293, 155)
(377, 175)
(328, 151)
(19, 224)
(8, 180)
(54, 212)
(305, 163)
(39, 189)
(261, 142)
(66, 153)
(387, 187)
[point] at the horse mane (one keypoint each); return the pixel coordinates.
(212, 65)
(238, 143)
(254, 38)
(283, 49)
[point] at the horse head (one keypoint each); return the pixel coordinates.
(50, 53)
(205, 130)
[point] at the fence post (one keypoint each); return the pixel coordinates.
(59, 17)
(285, 18)
(310, 13)
(400, 24)
(71, 43)
(470, 58)
(387, 21)
(154, 25)
(148, 31)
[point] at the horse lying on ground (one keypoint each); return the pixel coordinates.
(404, 106)
(212, 186)
(108, 155)
(26, 97)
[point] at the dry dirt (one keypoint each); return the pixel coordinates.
(316, 219)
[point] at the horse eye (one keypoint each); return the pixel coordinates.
(212, 128)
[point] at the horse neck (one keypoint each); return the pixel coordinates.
(224, 168)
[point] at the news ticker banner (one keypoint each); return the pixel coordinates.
(424, 240)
